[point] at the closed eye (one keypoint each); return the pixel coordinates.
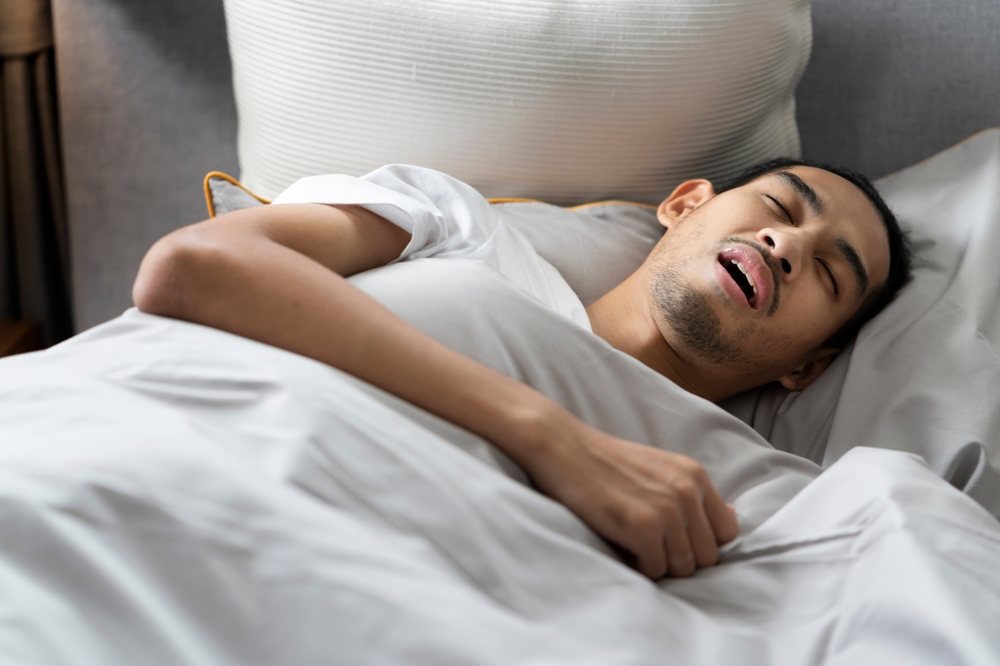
(788, 216)
(826, 267)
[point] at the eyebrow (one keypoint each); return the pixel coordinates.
(854, 261)
(803, 188)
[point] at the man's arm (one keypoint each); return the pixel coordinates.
(276, 274)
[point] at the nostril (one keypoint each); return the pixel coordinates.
(769, 241)
(785, 266)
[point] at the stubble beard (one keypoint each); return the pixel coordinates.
(690, 315)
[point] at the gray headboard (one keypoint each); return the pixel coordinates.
(891, 82)
(147, 110)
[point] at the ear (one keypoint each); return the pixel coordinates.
(802, 376)
(685, 198)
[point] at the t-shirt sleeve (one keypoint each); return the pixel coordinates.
(446, 217)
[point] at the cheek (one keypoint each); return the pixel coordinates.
(686, 238)
(814, 322)
(804, 315)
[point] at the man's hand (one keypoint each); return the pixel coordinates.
(661, 507)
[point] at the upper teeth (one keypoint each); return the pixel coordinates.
(745, 271)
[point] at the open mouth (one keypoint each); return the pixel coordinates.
(741, 276)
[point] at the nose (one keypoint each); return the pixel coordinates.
(787, 248)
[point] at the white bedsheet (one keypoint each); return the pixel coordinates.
(174, 494)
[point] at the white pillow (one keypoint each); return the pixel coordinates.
(560, 100)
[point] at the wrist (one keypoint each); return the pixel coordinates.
(538, 432)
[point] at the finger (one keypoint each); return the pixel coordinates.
(651, 561)
(680, 556)
(721, 516)
(643, 540)
(702, 536)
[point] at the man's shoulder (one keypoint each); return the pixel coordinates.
(594, 246)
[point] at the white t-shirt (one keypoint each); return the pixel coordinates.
(448, 220)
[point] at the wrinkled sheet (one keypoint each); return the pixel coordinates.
(174, 494)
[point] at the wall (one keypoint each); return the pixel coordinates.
(147, 110)
(891, 82)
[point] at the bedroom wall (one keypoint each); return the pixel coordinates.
(891, 82)
(147, 110)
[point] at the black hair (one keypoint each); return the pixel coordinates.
(900, 245)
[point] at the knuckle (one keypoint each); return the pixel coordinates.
(689, 465)
(686, 490)
(698, 472)
(670, 512)
(644, 519)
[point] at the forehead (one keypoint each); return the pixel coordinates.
(842, 211)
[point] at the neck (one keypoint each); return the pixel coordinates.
(624, 318)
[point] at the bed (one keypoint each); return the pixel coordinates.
(176, 494)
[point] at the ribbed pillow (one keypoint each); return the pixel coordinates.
(560, 100)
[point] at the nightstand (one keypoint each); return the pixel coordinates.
(17, 337)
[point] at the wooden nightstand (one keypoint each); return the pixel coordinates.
(17, 337)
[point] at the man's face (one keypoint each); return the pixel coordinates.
(752, 281)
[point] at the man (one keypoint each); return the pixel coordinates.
(762, 282)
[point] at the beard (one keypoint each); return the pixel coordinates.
(690, 315)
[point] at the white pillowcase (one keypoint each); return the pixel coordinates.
(560, 100)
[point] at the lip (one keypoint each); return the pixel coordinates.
(758, 270)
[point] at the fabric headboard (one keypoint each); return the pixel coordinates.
(147, 110)
(891, 83)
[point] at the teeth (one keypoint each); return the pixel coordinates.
(746, 271)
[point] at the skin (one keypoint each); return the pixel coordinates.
(276, 274)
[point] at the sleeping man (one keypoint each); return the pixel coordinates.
(763, 282)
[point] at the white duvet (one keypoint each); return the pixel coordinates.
(174, 494)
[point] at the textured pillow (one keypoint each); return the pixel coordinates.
(565, 101)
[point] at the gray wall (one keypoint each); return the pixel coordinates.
(147, 110)
(891, 82)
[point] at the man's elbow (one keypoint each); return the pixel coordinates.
(174, 275)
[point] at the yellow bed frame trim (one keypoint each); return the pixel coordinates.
(225, 176)
(500, 200)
